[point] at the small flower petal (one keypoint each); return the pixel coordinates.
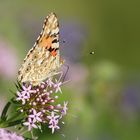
(64, 110)
(57, 86)
(54, 125)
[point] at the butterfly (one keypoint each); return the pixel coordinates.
(43, 60)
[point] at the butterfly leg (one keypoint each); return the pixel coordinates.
(67, 66)
(62, 74)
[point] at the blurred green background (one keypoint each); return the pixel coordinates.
(103, 92)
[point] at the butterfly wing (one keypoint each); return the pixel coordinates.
(43, 60)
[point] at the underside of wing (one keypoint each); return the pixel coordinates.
(43, 59)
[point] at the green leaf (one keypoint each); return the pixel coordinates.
(15, 102)
(13, 123)
(27, 138)
(4, 112)
(19, 84)
(12, 92)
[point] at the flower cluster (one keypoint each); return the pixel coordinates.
(7, 135)
(40, 105)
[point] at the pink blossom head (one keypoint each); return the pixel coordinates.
(8, 60)
(40, 104)
(7, 135)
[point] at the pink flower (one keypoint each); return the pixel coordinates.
(49, 82)
(57, 86)
(40, 104)
(36, 116)
(7, 135)
(30, 123)
(22, 97)
(52, 117)
(8, 60)
(27, 90)
(64, 110)
(54, 125)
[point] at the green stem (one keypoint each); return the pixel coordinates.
(14, 120)
(9, 124)
(16, 115)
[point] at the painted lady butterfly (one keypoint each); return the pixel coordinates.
(43, 60)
